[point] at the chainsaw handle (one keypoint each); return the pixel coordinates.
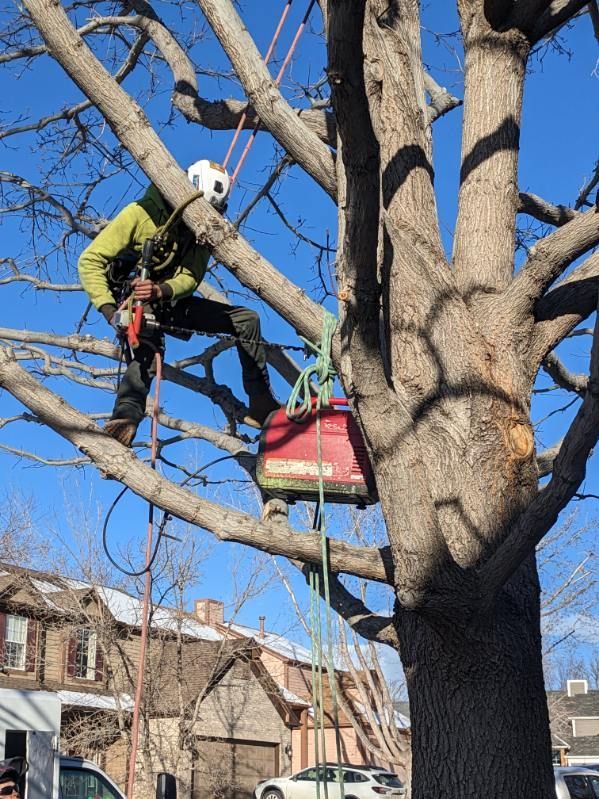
(134, 327)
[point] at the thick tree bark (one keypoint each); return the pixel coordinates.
(480, 724)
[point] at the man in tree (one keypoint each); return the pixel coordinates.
(179, 265)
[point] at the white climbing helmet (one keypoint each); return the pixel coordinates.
(213, 180)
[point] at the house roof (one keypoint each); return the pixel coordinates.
(585, 746)
(564, 708)
(61, 594)
(574, 706)
(289, 650)
(96, 701)
(203, 665)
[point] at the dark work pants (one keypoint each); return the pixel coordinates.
(205, 316)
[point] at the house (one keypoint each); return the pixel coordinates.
(574, 715)
(289, 664)
(214, 715)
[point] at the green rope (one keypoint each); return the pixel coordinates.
(322, 370)
(324, 373)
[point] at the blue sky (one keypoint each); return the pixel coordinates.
(561, 118)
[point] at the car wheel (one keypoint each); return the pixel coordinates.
(271, 793)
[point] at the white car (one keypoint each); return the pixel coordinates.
(573, 782)
(359, 782)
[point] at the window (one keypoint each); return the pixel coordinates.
(85, 652)
(388, 779)
(595, 783)
(79, 783)
(354, 776)
(310, 775)
(15, 642)
(578, 786)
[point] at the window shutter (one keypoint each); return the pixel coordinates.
(71, 655)
(99, 662)
(31, 649)
(2, 636)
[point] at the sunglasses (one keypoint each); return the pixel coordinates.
(8, 790)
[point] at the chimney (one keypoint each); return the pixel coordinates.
(575, 687)
(210, 611)
(261, 619)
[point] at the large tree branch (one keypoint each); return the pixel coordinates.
(490, 149)
(569, 469)
(118, 463)
(563, 376)
(564, 307)
(546, 212)
(359, 617)
(549, 258)
(557, 13)
(275, 113)
(441, 100)
(133, 129)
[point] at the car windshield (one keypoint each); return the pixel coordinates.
(388, 779)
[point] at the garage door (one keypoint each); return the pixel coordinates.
(230, 769)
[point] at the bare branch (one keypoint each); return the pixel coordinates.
(546, 212)
(563, 376)
(583, 197)
(564, 307)
(359, 617)
(550, 257)
(546, 459)
(441, 100)
(72, 112)
(42, 285)
(69, 219)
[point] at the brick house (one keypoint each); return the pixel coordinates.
(215, 716)
(574, 717)
(290, 666)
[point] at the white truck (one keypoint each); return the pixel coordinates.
(30, 728)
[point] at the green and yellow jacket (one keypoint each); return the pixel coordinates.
(128, 231)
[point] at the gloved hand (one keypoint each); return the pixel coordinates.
(108, 310)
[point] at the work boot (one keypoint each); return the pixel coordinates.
(260, 408)
(122, 430)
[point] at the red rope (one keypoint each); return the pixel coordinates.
(147, 592)
(267, 57)
(278, 79)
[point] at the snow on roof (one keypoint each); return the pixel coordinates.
(128, 609)
(292, 698)
(401, 722)
(99, 701)
(282, 646)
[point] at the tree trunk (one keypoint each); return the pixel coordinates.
(480, 725)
